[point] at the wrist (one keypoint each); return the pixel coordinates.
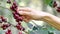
(45, 16)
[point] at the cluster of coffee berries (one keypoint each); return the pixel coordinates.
(19, 27)
(55, 5)
(2, 19)
(8, 32)
(5, 26)
(4, 23)
(58, 9)
(17, 16)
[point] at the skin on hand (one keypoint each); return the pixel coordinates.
(31, 14)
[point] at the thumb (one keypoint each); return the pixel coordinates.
(24, 13)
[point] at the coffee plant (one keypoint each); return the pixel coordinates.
(18, 18)
(11, 22)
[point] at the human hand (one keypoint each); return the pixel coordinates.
(31, 14)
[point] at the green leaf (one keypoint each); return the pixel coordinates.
(51, 4)
(47, 1)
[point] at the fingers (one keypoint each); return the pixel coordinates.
(24, 9)
(24, 13)
(27, 19)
